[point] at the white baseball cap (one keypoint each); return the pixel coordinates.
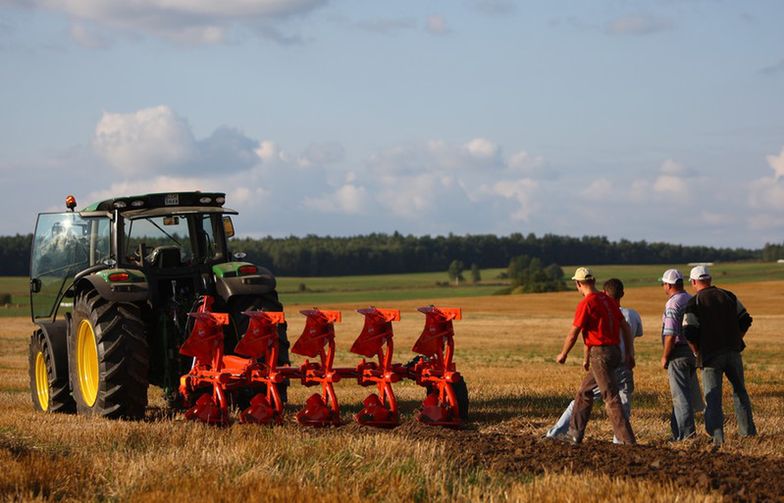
(671, 276)
(699, 273)
(583, 274)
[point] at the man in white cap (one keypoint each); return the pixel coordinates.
(678, 358)
(600, 320)
(715, 323)
(613, 287)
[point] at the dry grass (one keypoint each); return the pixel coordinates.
(506, 347)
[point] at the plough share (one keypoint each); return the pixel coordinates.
(215, 376)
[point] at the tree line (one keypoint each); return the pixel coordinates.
(397, 253)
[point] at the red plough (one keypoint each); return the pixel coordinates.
(215, 375)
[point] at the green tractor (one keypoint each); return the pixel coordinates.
(111, 287)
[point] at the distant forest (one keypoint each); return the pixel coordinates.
(396, 253)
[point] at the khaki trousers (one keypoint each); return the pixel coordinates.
(604, 361)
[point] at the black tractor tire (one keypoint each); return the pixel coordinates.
(461, 394)
(49, 389)
(108, 358)
(239, 325)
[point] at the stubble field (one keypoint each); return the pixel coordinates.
(505, 349)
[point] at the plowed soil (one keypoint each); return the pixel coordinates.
(695, 464)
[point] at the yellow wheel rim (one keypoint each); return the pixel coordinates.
(42, 381)
(87, 362)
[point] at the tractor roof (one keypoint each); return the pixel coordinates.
(211, 202)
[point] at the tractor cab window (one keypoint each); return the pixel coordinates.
(149, 238)
(64, 244)
(171, 241)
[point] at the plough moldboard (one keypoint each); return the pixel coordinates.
(215, 375)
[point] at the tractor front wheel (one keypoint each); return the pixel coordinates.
(108, 358)
(50, 390)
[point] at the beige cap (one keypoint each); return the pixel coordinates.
(583, 274)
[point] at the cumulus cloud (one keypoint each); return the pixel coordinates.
(767, 193)
(777, 164)
(187, 21)
(156, 139)
(637, 24)
(598, 189)
(672, 178)
(522, 192)
(348, 199)
(144, 141)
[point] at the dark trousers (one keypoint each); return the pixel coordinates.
(604, 361)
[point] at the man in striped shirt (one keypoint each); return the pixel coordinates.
(678, 359)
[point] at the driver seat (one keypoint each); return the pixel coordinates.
(164, 257)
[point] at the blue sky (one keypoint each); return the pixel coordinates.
(660, 120)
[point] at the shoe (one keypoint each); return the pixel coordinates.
(564, 437)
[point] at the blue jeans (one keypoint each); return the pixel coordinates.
(625, 389)
(682, 372)
(730, 364)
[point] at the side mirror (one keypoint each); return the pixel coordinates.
(228, 227)
(35, 285)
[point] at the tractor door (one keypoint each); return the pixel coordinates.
(63, 245)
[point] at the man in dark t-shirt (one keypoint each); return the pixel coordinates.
(715, 323)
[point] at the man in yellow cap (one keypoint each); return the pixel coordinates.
(599, 319)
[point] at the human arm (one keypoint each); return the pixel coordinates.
(628, 340)
(669, 343)
(568, 344)
(744, 318)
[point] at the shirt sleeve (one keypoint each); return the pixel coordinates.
(670, 320)
(581, 314)
(691, 322)
(639, 324)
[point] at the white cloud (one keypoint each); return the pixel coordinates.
(766, 193)
(521, 191)
(88, 37)
(155, 184)
(323, 153)
(672, 179)
(186, 21)
(156, 139)
(598, 189)
(436, 25)
(670, 167)
(639, 24)
(669, 184)
(777, 164)
(481, 148)
(144, 141)
(348, 199)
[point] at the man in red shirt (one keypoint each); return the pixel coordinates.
(601, 322)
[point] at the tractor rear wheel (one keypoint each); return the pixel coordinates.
(108, 358)
(50, 390)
